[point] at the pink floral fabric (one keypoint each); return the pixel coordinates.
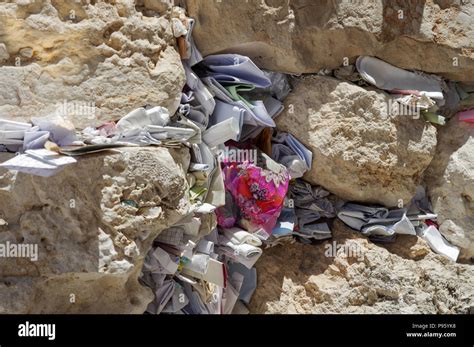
(254, 194)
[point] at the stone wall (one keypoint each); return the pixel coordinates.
(119, 55)
(105, 54)
(304, 36)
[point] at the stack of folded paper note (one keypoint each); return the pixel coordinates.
(245, 178)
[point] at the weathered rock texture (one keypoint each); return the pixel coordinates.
(118, 55)
(92, 242)
(105, 55)
(405, 277)
(360, 151)
(303, 36)
(450, 180)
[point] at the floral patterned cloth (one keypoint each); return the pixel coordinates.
(255, 193)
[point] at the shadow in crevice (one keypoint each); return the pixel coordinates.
(405, 246)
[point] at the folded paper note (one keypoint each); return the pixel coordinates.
(234, 68)
(39, 162)
(438, 243)
(391, 78)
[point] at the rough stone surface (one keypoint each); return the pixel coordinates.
(304, 36)
(360, 152)
(450, 181)
(107, 56)
(118, 55)
(91, 243)
(3, 53)
(405, 277)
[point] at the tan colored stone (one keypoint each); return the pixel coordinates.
(450, 181)
(106, 55)
(90, 243)
(304, 36)
(360, 152)
(362, 278)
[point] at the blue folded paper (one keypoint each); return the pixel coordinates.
(291, 153)
(235, 69)
(254, 114)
